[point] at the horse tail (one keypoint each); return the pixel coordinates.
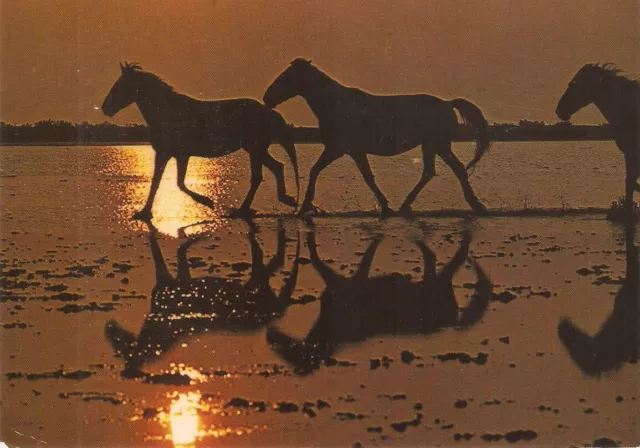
(284, 137)
(472, 116)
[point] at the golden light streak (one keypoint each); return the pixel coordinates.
(184, 419)
(132, 167)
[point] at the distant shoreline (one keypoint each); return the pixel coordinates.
(63, 133)
(516, 140)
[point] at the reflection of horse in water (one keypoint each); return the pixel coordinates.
(358, 308)
(184, 306)
(183, 127)
(617, 341)
(618, 98)
(357, 123)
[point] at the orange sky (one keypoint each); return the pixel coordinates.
(58, 59)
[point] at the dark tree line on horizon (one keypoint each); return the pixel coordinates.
(59, 131)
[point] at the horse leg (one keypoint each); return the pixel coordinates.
(256, 179)
(329, 276)
(367, 260)
(428, 171)
(325, 159)
(259, 275)
(181, 164)
(277, 168)
(630, 185)
(160, 164)
(369, 178)
(461, 173)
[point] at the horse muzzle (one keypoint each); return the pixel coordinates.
(563, 115)
(269, 103)
(108, 111)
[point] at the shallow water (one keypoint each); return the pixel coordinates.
(98, 184)
(100, 348)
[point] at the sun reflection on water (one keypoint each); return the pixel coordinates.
(184, 420)
(187, 419)
(132, 168)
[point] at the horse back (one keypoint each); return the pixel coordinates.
(387, 124)
(212, 128)
(389, 304)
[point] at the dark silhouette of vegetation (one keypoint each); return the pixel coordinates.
(58, 131)
(50, 131)
(526, 130)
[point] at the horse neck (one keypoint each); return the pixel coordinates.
(153, 102)
(617, 100)
(318, 92)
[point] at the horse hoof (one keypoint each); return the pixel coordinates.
(244, 213)
(405, 210)
(289, 200)
(387, 212)
(143, 215)
(207, 202)
(479, 208)
(306, 208)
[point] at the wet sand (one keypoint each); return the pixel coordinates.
(115, 334)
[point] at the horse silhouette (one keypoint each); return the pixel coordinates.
(618, 99)
(361, 307)
(358, 123)
(183, 306)
(617, 340)
(182, 127)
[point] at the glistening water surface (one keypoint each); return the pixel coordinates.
(338, 330)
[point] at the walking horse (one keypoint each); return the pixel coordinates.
(358, 123)
(618, 98)
(182, 127)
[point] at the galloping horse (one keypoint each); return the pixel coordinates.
(618, 99)
(358, 123)
(183, 127)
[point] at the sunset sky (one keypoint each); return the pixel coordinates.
(58, 59)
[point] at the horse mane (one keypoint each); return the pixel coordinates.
(610, 71)
(151, 79)
(307, 63)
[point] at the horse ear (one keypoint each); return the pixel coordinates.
(300, 62)
(121, 68)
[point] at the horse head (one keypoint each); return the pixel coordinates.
(124, 91)
(582, 89)
(616, 343)
(288, 84)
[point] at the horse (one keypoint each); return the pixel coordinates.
(354, 309)
(358, 123)
(182, 127)
(618, 341)
(618, 98)
(184, 306)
